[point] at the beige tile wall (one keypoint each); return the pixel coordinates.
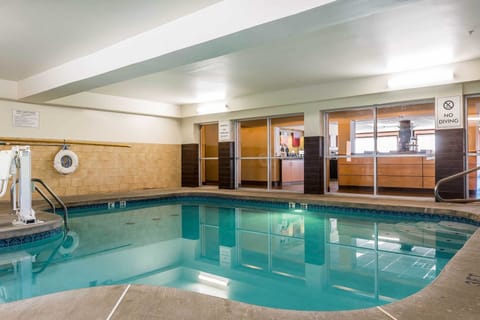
(110, 169)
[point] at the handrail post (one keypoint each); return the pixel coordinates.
(59, 201)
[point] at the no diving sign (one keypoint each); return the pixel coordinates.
(448, 113)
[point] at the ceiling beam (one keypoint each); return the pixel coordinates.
(210, 32)
(225, 27)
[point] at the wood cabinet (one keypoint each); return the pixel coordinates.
(355, 172)
(406, 172)
(292, 171)
(428, 167)
(392, 172)
(401, 172)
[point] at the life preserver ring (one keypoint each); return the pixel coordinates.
(70, 243)
(66, 161)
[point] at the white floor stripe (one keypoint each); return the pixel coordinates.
(118, 302)
(386, 313)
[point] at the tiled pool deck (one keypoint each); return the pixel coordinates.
(455, 294)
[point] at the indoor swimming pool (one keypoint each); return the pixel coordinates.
(280, 255)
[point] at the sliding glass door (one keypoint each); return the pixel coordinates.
(350, 161)
(253, 152)
(385, 150)
(209, 154)
(270, 153)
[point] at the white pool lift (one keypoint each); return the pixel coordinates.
(18, 159)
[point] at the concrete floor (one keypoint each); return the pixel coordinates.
(455, 294)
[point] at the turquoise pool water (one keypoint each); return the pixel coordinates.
(322, 259)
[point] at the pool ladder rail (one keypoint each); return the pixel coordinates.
(450, 178)
(47, 199)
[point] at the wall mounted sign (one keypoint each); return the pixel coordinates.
(25, 119)
(449, 113)
(225, 131)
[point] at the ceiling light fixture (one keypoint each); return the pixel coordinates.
(421, 78)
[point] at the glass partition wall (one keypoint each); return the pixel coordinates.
(386, 150)
(406, 167)
(286, 153)
(473, 143)
(209, 154)
(270, 152)
(350, 162)
(253, 152)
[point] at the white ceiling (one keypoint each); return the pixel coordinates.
(358, 48)
(39, 35)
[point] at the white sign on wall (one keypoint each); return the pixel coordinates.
(448, 113)
(225, 131)
(25, 119)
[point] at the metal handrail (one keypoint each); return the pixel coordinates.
(44, 196)
(54, 195)
(450, 178)
(50, 257)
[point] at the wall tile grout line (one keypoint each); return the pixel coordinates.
(118, 302)
(386, 313)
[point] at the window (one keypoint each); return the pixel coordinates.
(387, 143)
(426, 142)
(364, 145)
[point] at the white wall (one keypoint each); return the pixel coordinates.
(8, 89)
(464, 73)
(84, 124)
(90, 100)
(189, 124)
(88, 124)
(313, 111)
(471, 88)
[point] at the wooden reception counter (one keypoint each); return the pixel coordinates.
(415, 171)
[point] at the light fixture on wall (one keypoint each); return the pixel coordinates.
(212, 107)
(421, 78)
